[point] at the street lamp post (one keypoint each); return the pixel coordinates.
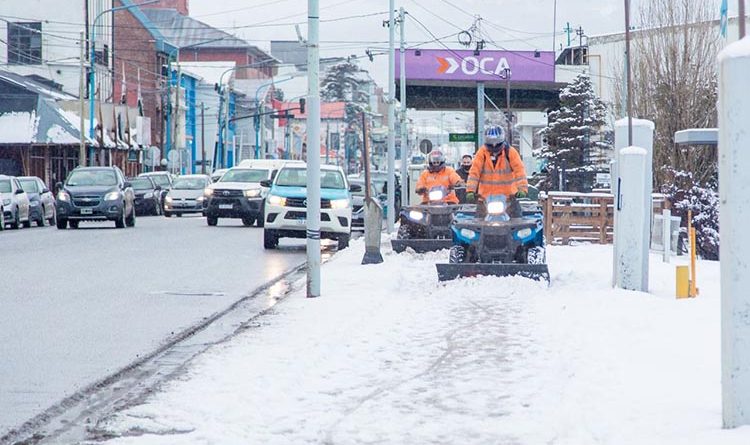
(92, 61)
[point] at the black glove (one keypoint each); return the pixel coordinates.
(471, 197)
(521, 194)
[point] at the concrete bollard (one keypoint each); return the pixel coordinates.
(631, 249)
(373, 229)
(643, 137)
(734, 214)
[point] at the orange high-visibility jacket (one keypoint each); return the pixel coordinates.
(506, 176)
(447, 178)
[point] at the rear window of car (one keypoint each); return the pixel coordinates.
(297, 177)
(141, 184)
(29, 185)
(161, 180)
(245, 175)
(5, 186)
(189, 184)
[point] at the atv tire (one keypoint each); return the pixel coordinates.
(403, 232)
(457, 255)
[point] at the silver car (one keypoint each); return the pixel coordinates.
(186, 195)
(41, 200)
(16, 207)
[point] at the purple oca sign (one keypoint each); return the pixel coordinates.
(488, 66)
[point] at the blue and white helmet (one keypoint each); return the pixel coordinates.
(494, 135)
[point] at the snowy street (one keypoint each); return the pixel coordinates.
(404, 359)
(83, 304)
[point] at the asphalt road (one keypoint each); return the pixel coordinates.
(78, 305)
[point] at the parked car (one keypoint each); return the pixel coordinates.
(217, 174)
(16, 206)
(358, 200)
(147, 195)
(237, 194)
(380, 179)
(95, 194)
(286, 205)
(164, 180)
(41, 200)
(186, 195)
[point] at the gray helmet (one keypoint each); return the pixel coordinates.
(494, 136)
(435, 161)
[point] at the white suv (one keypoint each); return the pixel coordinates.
(286, 205)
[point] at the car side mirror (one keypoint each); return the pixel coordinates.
(19, 191)
(45, 190)
(354, 188)
(126, 185)
(266, 183)
(157, 188)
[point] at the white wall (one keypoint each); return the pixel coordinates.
(61, 26)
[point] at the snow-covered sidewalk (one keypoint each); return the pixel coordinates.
(389, 355)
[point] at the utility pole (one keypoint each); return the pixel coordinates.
(507, 106)
(568, 30)
(177, 118)
(579, 33)
(629, 73)
(741, 18)
(554, 26)
(203, 138)
(390, 214)
(404, 129)
(313, 151)
(81, 94)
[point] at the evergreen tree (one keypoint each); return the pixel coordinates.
(576, 146)
(342, 84)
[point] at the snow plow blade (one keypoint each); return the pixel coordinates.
(450, 271)
(421, 245)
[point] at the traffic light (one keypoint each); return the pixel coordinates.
(302, 105)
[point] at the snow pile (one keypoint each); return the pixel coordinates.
(18, 127)
(389, 355)
(58, 135)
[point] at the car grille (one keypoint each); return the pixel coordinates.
(302, 215)
(302, 203)
(86, 201)
(228, 193)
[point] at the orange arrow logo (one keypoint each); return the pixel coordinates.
(444, 65)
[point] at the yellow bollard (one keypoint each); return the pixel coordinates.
(682, 281)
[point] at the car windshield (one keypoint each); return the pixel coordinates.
(189, 184)
(160, 180)
(4, 185)
(245, 175)
(92, 178)
(141, 184)
(297, 177)
(29, 185)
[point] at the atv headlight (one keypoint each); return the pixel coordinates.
(495, 207)
(416, 215)
(436, 195)
(252, 193)
(468, 233)
(523, 233)
(338, 204)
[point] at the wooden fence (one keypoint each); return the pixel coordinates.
(583, 217)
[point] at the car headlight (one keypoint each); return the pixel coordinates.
(468, 233)
(62, 196)
(523, 233)
(276, 200)
(6, 202)
(252, 193)
(113, 196)
(436, 195)
(148, 195)
(337, 204)
(495, 207)
(168, 200)
(208, 192)
(200, 199)
(416, 215)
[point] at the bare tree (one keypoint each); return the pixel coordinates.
(674, 82)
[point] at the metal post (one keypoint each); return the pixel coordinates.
(177, 118)
(480, 113)
(313, 142)
(404, 129)
(554, 27)
(81, 95)
(741, 18)
(390, 214)
(507, 106)
(203, 138)
(734, 114)
(373, 211)
(629, 76)
(666, 234)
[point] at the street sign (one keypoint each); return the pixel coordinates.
(425, 146)
(462, 137)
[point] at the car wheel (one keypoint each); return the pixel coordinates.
(260, 221)
(73, 224)
(212, 220)
(41, 221)
(457, 255)
(247, 222)
(27, 223)
(167, 214)
(120, 221)
(130, 221)
(343, 242)
(61, 224)
(270, 239)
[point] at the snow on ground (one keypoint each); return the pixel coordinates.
(389, 355)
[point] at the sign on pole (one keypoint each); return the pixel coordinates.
(462, 137)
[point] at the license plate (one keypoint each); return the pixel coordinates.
(226, 206)
(87, 211)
